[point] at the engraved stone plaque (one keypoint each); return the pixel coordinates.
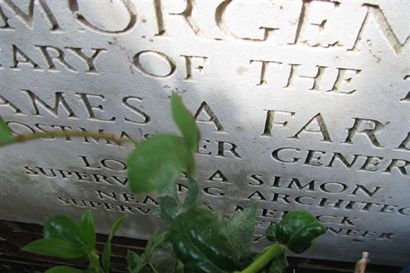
(302, 105)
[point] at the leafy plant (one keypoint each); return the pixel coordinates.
(197, 239)
(63, 238)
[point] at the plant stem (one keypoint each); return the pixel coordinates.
(94, 262)
(60, 134)
(267, 255)
(152, 267)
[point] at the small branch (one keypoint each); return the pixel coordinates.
(362, 263)
(152, 267)
(266, 257)
(61, 134)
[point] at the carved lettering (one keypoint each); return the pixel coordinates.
(27, 18)
(163, 58)
(204, 114)
(127, 10)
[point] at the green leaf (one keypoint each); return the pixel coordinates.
(135, 262)
(200, 243)
(157, 255)
(55, 248)
(271, 233)
(279, 264)
(297, 230)
(63, 228)
(172, 191)
(107, 247)
(169, 208)
(87, 231)
(158, 162)
(153, 243)
(192, 193)
(239, 229)
(5, 132)
(65, 269)
(185, 122)
(164, 260)
(180, 267)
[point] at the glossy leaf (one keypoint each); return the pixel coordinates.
(239, 229)
(185, 122)
(106, 257)
(297, 230)
(87, 231)
(65, 269)
(200, 243)
(158, 162)
(55, 248)
(63, 228)
(5, 132)
(271, 233)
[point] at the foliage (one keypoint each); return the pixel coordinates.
(158, 162)
(200, 242)
(5, 132)
(158, 257)
(107, 247)
(63, 238)
(197, 240)
(239, 229)
(296, 231)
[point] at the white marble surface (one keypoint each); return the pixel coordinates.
(301, 105)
